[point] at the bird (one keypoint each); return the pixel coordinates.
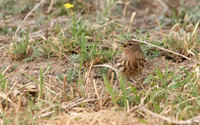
(132, 61)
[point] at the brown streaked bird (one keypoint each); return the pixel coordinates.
(132, 61)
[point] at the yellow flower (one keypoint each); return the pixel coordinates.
(68, 5)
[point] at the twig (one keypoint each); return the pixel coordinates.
(36, 6)
(141, 103)
(6, 69)
(71, 104)
(107, 66)
(111, 67)
(50, 6)
(163, 118)
(172, 121)
(5, 97)
(8, 75)
(4, 47)
(158, 23)
(164, 6)
(44, 115)
(96, 91)
(63, 107)
(193, 98)
(75, 103)
(80, 101)
(134, 108)
(125, 8)
(170, 51)
(131, 20)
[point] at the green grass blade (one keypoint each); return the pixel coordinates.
(124, 91)
(110, 90)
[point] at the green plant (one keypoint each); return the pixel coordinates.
(37, 53)
(182, 42)
(93, 52)
(40, 82)
(71, 74)
(108, 5)
(20, 49)
(11, 7)
(58, 47)
(183, 15)
(189, 15)
(123, 86)
(3, 82)
(110, 90)
(172, 88)
(78, 27)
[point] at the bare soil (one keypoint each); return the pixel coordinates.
(97, 115)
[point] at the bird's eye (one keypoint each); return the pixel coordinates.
(130, 44)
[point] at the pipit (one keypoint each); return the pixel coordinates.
(132, 61)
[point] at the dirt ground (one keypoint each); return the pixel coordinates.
(96, 112)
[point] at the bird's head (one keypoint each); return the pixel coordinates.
(130, 46)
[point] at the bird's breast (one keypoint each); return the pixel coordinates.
(130, 66)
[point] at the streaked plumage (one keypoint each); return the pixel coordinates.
(132, 61)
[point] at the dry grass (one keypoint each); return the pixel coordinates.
(54, 63)
(105, 117)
